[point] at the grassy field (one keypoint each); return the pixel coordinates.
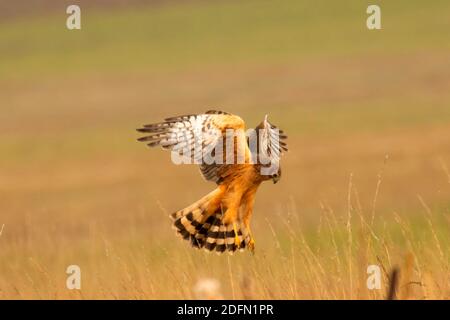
(366, 181)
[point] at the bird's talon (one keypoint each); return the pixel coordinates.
(251, 245)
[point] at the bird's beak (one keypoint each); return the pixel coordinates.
(276, 179)
(265, 121)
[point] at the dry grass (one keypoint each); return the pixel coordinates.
(76, 192)
(366, 181)
(79, 190)
(109, 216)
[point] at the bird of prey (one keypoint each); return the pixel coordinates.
(238, 161)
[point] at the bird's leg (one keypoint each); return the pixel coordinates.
(248, 211)
(251, 243)
(230, 217)
(237, 242)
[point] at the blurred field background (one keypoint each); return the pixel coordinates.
(366, 181)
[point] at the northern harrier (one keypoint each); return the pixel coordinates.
(236, 160)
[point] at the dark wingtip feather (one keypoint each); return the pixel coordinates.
(178, 118)
(217, 112)
(141, 139)
(153, 144)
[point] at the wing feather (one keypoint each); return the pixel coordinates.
(187, 134)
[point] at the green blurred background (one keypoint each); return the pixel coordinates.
(353, 101)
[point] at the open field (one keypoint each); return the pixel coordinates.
(366, 181)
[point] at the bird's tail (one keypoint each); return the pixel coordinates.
(202, 225)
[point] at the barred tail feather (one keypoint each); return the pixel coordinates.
(206, 230)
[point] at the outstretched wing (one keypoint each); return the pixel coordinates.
(267, 143)
(199, 138)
